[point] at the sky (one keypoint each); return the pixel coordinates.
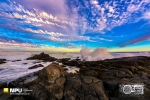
(69, 25)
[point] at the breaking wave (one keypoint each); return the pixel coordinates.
(94, 55)
(88, 54)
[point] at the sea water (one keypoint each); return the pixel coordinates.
(12, 70)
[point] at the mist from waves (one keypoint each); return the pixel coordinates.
(88, 54)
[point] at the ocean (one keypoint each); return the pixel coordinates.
(13, 69)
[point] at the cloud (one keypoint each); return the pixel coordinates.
(46, 22)
(111, 9)
(146, 15)
(51, 22)
(136, 40)
(34, 15)
(43, 32)
(106, 39)
(31, 47)
(13, 44)
(99, 16)
(104, 15)
(55, 7)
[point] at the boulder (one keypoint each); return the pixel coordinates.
(51, 82)
(51, 72)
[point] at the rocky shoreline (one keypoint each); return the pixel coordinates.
(96, 80)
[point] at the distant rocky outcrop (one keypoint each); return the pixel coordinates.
(42, 56)
(96, 80)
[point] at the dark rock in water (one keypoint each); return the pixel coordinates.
(36, 62)
(84, 88)
(78, 59)
(2, 61)
(63, 60)
(16, 60)
(42, 56)
(36, 66)
(24, 63)
(1, 69)
(71, 63)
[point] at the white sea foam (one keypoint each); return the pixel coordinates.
(12, 70)
(103, 53)
(72, 69)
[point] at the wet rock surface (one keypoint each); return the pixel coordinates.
(96, 80)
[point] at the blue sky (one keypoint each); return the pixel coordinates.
(69, 25)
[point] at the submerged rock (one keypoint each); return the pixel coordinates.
(36, 66)
(2, 61)
(16, 60)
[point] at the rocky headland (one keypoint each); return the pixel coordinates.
(96, 80)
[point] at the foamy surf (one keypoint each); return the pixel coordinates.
(12, 70)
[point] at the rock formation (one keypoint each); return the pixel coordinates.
(96, 80)
(42, 56)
